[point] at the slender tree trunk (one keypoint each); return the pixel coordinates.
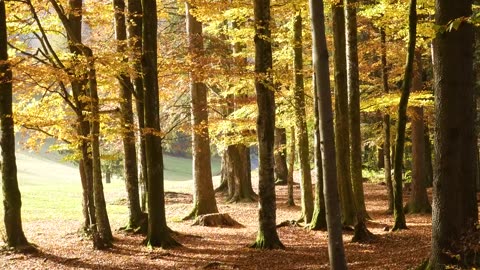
(336, 250)
(12, 202)
(386, 126)
(134, 28)
(319, 221)
(267, 237)
(454, 199)
(128, 134)
(103, 224)
(398, 213)
(280, 156)
(158, 232)
(428, 158)
(418, 200)
(301, 123)
(361, 233)
(204, 195)
(291, 166)
(342, 143)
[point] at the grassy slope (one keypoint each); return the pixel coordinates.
(52, 190)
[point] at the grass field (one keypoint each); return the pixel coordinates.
(51, 189)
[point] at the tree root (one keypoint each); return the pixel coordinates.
(216, 220)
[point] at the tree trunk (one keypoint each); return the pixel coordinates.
(12, 203)
(336, 250)
(128, 134)
(158, 232)
(386, 126)
(454, 200)
(418, 201)
(301, 123)
(280, 156)
(267, 237)
(319, 221)
(204, 195)
(361, 233)
(103, 224)
(398, 213)
(134, 28)
(342, 144)
(428, 158)
(380, 158)
(291, 166)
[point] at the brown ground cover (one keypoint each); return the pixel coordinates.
(61, 247)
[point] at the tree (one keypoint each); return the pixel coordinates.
(134, 31)
(291, 166)
(280, 156)
(398, 213)
(319, 221)
(418, 200)
(12, 202)
(386, 125)
(454, 198)
(301, 122)
(128, 135)
(267, 237)
(204, 195)
(158, 233)
(342, 144)
(354, 105)
(336, 250)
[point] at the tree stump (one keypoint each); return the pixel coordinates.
(216, 220)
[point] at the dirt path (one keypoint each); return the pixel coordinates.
(225, 248)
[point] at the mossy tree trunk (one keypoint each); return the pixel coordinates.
(158, 233)
(336, 250)
(128, 134)
(12, 202)
(454, 198)
(319, 221)
(398, 213)
(361, 232)
(342, 143)
(280, 156)
(301, 123)
(386, 125)
(204, 194)
(134, 29)
(267, 237)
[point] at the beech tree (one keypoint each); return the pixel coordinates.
(398, 213)
(336, 250)
(12, 202)
(158, 231)
(204, 195)
(267, 237)
(455, 209)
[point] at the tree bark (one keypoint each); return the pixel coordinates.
(361, 233)
(134, 29)
(267, 237)
(158, 233)
(12, 202)
(398, 213)
(319, 221)
(291, 166)
(386, 126)
(280, 156)
(301, 122)
(204, 195)
(454, 199)
(336, 250)
(342, 144)
(128, 134)
(418, 200)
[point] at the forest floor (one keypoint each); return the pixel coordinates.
(62, 247)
